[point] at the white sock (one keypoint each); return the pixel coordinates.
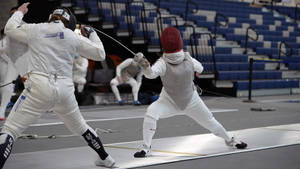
(149, 128)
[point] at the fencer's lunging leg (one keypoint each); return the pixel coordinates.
(213, 126)
(149, 128)
(6, 143)
(77, 125)
(94, 142)
(203, 116)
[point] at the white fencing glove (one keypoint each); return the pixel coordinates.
(141, 60)
(86, 31)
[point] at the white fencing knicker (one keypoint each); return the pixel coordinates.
(45, 92)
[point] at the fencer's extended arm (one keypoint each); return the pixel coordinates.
(14, 29)
(91, 48)
(158, 69)
(123, 65)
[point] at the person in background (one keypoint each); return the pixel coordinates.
(14, 63)
(126, 72)
(80, 66)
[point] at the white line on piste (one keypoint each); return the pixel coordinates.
(120, 118)
(91, 120)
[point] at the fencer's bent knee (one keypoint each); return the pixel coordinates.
(79, 130)
(113, 82)
(149, 124)
(149, 119)
(150, 112)
(12, 131)
(74, 121)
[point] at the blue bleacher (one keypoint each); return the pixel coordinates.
(294, 66)
(244, 75)
(267, 84)
(233, 67)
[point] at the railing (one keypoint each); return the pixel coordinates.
(158, 6)
(195, 35)
(296, 11)
(100, 8)
(85, 6)
(250, 80)
(247, 38)
(272, 3)
(159, 1)
(112, 8)
(285, 53)
(187, 8)
(191, 37)
(218, 15)
(280, 51)
(128, 16)
(146, 25)
(142, 16)
(159, 23)
(114, 11)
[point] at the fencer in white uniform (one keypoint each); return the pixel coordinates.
(126, 72)
(49, 84)
(178, 96)
(14, 63)
(79, 72)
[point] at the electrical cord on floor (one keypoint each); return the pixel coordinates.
(53, 136)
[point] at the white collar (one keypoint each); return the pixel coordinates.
(174, 58)
(58, 22)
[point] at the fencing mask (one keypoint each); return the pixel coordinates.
(67, 15)
(171, 40)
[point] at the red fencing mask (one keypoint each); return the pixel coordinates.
(171, 40)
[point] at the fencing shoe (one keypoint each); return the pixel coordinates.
(109, 162)
(121, 102)
(233, 143)
(144, 152)
(137, 103)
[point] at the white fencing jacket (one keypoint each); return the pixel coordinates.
(52, 47)
(125, 64)
(159, 69)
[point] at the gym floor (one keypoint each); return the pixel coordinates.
(270, 125)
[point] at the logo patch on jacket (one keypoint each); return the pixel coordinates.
(60, 35)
